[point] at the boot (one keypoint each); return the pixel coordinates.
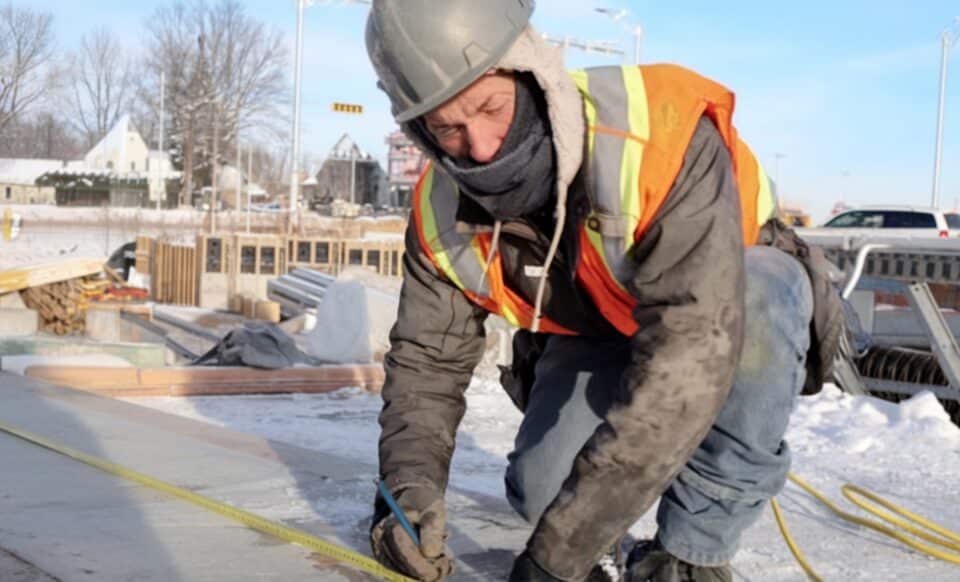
(650, 562)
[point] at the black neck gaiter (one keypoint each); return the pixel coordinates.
(521, 180)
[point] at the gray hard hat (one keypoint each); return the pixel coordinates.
(427, 51)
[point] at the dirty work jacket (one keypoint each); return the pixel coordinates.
(685, 275)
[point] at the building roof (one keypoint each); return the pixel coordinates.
(346, 148)
(26, 171)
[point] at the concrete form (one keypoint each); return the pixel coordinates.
(138, 354)
(76, 523)
(18, 322)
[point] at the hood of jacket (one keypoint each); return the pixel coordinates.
(531, 54)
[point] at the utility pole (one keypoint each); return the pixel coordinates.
(163, 153)
(947, 39)
(214, 198)
(239, 192)
(250, 178)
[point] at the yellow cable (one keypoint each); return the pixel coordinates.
(941, 536)
(289, 534)
(794, 549)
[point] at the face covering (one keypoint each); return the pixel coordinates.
(521, 180)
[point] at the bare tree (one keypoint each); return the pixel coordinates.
(222, 68)
(26, 48)
(101, 88)
(44, 135)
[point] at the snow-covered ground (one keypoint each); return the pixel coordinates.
(908, 453)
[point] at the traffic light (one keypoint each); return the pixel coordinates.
(347, 108)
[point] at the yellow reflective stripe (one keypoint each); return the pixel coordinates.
(511, 317)
(766, 200)
(639, 119)
(478, 252)
(589, 109)
(432, 235)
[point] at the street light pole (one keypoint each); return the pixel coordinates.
(297, 73)
(636, 31)
(637, 41)
(947, 40)
(295, 157)
(353, 175)
(777, 156)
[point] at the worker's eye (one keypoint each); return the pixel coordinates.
(495, 107)
(445, 132)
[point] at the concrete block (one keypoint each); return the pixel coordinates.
(103, 325)
(12, 301)
(18, 322)
(353, 324)
(106, 325)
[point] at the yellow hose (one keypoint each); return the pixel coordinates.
(941, 536)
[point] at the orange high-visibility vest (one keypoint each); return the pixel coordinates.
(640, 121)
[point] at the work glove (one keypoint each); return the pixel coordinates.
(392, 546)
(526, 570)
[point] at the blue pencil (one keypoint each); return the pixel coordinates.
(392, 504)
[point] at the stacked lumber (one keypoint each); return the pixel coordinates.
(62, 305)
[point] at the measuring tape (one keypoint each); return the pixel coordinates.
(289, 534)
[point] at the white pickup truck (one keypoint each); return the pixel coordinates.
(886, 222)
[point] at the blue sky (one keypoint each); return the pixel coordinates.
(846, 91)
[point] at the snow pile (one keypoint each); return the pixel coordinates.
(908, 453)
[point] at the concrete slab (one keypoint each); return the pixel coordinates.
(14, 569)
(77, 523)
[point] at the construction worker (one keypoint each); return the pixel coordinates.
(614, 216)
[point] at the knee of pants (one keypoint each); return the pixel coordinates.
(527, 492)
(779, 307)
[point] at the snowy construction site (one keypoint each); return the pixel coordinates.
(99, 383)
(576, 321)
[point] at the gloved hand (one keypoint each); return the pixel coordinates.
(392, 547)
(526, 570)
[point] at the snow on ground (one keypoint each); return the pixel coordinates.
(908, 453)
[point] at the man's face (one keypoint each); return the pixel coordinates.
(475, 122)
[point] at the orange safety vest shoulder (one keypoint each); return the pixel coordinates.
(640, 121)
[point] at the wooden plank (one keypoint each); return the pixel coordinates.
(47, 273)
(201, 381)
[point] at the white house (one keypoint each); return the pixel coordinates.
(18, 181)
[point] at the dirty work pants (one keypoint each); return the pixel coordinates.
(742, 462)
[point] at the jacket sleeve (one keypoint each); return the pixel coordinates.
(436, 343)
(688, 279)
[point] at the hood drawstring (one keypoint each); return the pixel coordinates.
(494, 243)
(561, 216)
